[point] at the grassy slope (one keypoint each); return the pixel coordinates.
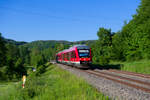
(54, 84)
(142, 66)
(5, 88)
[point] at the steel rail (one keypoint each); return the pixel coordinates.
(125, 78)
(130, 73)
(118, 81)
(109, 77)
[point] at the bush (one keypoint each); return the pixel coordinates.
(104, 60)
(1, 75)
(54, 84)
(134, 55)
(33, 87)
(41, 69)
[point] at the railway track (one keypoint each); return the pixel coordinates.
(117, 84)
(125, 78)
(131, 73)
(134, 83)
(122, 80)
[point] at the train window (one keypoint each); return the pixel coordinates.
(68, 56)
(63, 57)
(84, 53)
(72, 54)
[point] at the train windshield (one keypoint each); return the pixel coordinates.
(83, 53)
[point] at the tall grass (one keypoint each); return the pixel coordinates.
(54, 84)
(142, 66)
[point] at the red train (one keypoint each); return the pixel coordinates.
(78, 55)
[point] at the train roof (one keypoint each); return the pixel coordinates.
(75, 46)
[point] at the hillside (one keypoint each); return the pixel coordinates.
(15, 42)
(51, 43)
(43, 44)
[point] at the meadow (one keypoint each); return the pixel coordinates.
(53, 84)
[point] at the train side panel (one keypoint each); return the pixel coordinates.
(73, 57)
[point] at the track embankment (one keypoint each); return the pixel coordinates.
(120, 85)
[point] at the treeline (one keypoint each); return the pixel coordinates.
(11, 61)
(17, 57)
(131, 43)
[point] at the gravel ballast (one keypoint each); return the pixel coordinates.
(110, 88)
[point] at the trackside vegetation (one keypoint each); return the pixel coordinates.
(128, 49)
(142, 66)
(131, 43)
(16, 56)
(52, 84)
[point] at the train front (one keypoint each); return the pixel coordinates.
(85, 57)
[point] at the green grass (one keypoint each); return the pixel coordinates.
(6, 88)
(142, 66)
(54, 84)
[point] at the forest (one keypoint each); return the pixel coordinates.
(16, 56)
(131, 43)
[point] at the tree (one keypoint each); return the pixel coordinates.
(117, 47)
(102, 49)
(24, 54)
(136, 34)
(37, 58)
(19, 68)
(2, 51)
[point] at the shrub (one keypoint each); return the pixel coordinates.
(41, 69)
(103, 60)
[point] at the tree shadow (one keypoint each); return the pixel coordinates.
(106, 67)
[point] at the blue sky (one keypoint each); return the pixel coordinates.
(72, 20)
